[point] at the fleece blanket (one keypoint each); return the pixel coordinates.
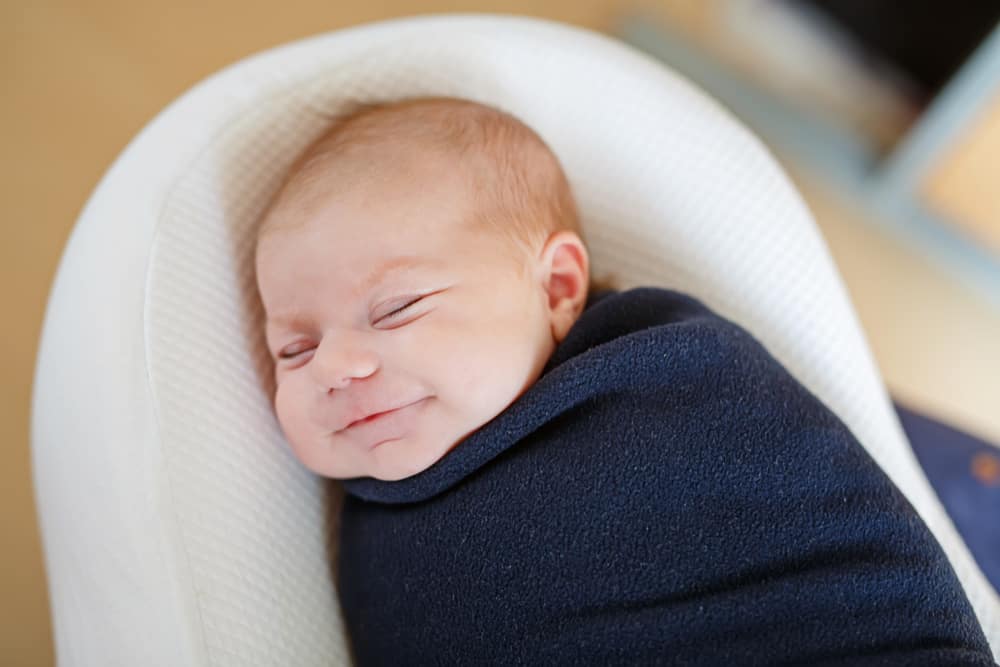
(665, 493)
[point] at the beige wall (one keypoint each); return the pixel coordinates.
(961, 185)
(81, 78)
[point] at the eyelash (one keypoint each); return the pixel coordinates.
(398, 310)
(285, 356)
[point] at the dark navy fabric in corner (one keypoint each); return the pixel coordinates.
(951, 460)
(666, 493)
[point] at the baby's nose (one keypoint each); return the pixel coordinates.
(337, 362)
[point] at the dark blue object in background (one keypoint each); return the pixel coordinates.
(965, 474)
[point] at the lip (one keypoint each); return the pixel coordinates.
(378, 416)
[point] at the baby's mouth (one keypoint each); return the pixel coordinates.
(369, 418)
(376, 415)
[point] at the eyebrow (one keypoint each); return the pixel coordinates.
(377, 275)
(391, 265)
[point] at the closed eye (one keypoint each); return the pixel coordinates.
(292, 355)
(399, 311)
(402, 315)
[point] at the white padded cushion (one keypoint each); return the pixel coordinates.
(178, 528)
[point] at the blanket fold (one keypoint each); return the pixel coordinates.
(665, 493)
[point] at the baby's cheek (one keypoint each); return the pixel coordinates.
(286, 409)
(300, 434)
(497, 370)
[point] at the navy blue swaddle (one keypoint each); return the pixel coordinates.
(665, 493)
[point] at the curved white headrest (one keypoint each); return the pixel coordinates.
(178, 528)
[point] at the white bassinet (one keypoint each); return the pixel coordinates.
(178, 529)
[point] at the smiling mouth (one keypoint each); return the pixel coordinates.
(372, 417)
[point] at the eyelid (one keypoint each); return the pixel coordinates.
(406, 303)
(283, 355)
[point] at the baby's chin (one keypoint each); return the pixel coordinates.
(434, 435)
(415, 453)
(390, 461)
(408, 457)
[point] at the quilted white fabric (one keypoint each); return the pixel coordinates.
(178, 529)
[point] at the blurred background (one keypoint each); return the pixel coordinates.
(886, 114)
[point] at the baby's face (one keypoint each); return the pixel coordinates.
(397, 327)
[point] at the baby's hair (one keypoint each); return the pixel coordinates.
(520, 188)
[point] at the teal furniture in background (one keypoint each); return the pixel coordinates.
(887, 185)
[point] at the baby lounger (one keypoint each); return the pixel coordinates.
(178, 528)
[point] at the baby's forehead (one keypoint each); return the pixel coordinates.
(397, 236)
(375, 171)
(428, 183)
(391, 155)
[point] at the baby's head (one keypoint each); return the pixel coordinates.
(417, 269)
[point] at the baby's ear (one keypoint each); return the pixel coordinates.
(566, 272)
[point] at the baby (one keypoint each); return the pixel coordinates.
(418, 268)
(542, 473)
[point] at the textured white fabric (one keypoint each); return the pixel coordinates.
(178, 529)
